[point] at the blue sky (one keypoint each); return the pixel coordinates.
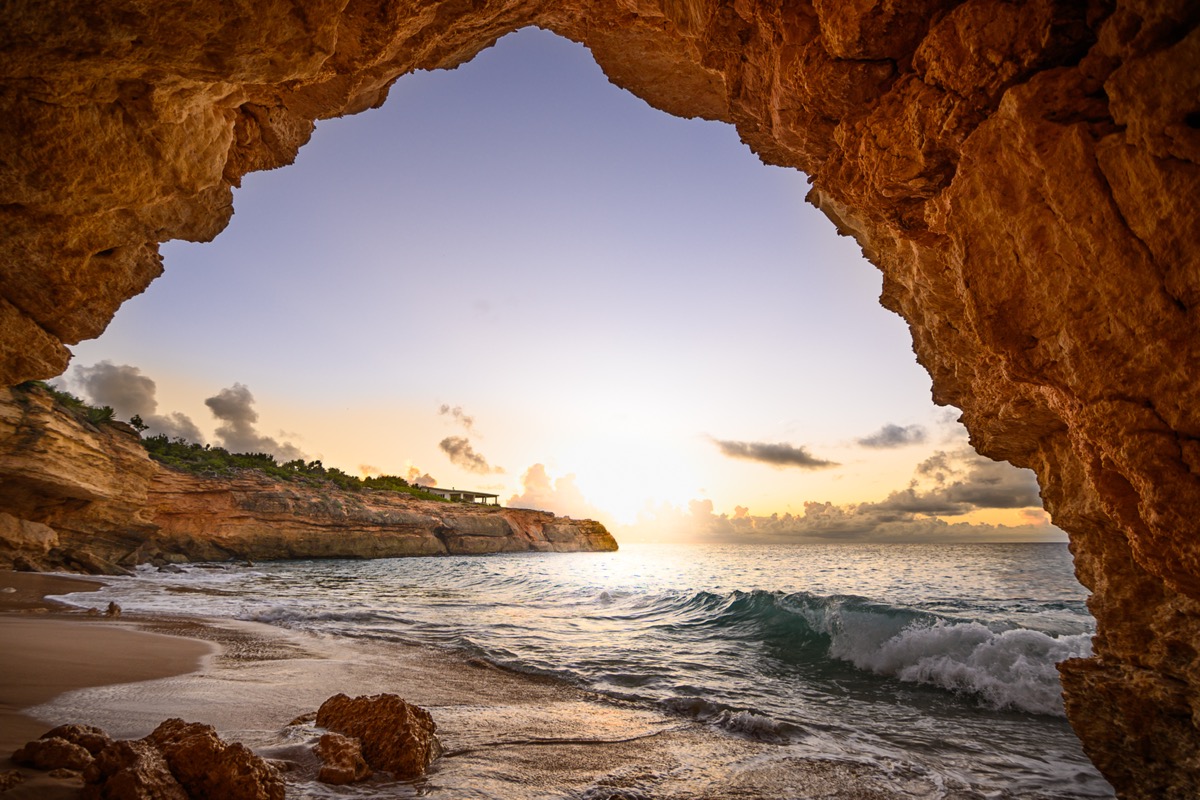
(604, 290)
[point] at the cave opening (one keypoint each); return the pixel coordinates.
(465, 258)
(521, 213)
(1021, 180)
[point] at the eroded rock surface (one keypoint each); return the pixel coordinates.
(395, 736)
(207, 766)
(88, 498)
(52, 752)
(1025, 173)
(10, 778)
(131, 771)
(342, 760)
(178, 761)
(89, 737)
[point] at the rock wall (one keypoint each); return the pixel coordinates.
(80, 496)
(258, 518)
(1024, 172)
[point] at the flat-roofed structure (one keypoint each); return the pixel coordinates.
(464, 495)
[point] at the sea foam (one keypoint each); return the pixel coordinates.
(1014, 669)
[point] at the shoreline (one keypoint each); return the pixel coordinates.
(506, 735)
(51, 649)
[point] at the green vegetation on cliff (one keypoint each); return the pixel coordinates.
(97, 415)
(217, 461)
(212, 462)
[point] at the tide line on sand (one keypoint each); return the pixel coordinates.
(506, 735)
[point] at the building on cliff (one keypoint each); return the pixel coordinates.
(464, 496)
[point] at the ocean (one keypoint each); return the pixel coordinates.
(937, 661)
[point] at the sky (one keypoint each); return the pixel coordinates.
(517, 278)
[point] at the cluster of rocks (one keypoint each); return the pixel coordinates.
(187, 760)
(177, 761)
(378, 732)
(113, 610)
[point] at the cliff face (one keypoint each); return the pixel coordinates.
(258, 518)
(88, 497)
(1025, 173)
(72, 494)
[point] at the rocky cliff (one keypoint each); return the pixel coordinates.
(80, 496)
(1025, 173)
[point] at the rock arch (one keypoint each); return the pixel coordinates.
(1026, 174)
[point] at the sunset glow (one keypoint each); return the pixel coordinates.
(634, 314)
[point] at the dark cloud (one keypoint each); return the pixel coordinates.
(962, 481)
(948, 484)
(235, 408)
(890, 436)
(459, 416)
(460, 452)
(560, 496)
(777, 455)
(130, 393)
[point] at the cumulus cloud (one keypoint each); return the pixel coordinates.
(561, 495)
(130, 393)
(460, 452)
(822, 522)
(890, 436)
(958, 482)
(947, 484)
(457, 414)
(777, 455)
(416, 478)
(238, 433)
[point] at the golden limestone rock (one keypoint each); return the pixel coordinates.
(1025, 174)
(342, 760)
(395, 736)
(207, 766)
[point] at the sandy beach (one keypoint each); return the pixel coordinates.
(506, 735)
(48, 651)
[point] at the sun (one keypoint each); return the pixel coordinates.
(620, 473)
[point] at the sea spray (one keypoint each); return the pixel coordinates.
(1013, 668)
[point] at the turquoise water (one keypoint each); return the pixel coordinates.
(935, 659)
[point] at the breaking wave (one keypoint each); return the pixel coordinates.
(1005, 668)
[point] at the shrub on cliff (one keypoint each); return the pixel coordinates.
(96, 415)
(217, 461)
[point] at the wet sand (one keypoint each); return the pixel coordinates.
(47, 652)
(506, 736)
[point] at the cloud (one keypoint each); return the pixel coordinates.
(415, 477)
(460, 452)
(890, 436)
(457, 414)
(822, 522)
(235, 408)
(947, 484)
(561, 496)
(958, 482)
(130, 393)
(777, 455)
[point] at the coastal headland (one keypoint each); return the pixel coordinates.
(84, 497)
